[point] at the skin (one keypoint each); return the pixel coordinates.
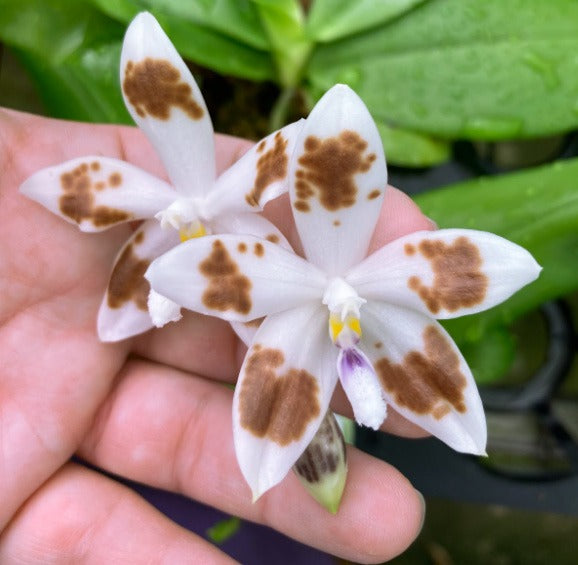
(152, 408)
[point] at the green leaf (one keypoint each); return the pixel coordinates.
(491, 357)
(55, 29)
(224, 35)
(236, 19)
(495, 69)
(224, 530)
(72, 52)
(537, 209)
(410, 149)
(84, 87)
(333, 19)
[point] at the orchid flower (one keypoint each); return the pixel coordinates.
(96, 192)
(369, 321)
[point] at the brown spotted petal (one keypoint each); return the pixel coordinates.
(260, 227)
(235, 277)
(259, 176)
(423, 375)
(123, 312)
(446, 273)
(97, 193)
(338, 177)
(166, 103)
(284, 389)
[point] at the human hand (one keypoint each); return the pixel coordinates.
(152, 408)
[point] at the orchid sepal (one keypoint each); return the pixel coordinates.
(97, 193)
(445, 273)
(282, 394)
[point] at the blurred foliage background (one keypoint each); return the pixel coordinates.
(434, 73)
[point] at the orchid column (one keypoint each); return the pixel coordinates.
(368, 321)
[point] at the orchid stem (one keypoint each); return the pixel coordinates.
(280, 110)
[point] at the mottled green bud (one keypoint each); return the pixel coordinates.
(322, 467)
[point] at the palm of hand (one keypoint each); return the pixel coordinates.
(148, 418)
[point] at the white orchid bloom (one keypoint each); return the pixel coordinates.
(96, 192)
(384, 342)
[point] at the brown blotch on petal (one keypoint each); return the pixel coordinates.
(154, 86)
(328, 169)
(271, 167)
(273, 238)
(95, 166)
(259, 250)
(115, 179)
(373, 194)
(336, 223)
(302, 206)
(409, 249)
(242, 247)
(77, 200)
(378, 345)
(458, 279)
(278, 407)
(228, 288)
(429, 382)
(127, 281)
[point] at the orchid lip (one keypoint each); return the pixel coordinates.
(362, 387)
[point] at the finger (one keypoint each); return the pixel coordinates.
(173, 431)
(399, 216)
(197, 344)
(80, 516)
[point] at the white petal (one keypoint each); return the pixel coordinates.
(96, 192)
(338, 178)
(423, 375)
(259, 176)
(123, 312)
(250, 224)
(164, 100)
(284, 389)
(162, 310)
(234, 277)
(446, 273)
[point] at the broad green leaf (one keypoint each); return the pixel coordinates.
(495, 69)
(333, 19)
(217, 52)
(223, 35)
(236, 19)
(491, 357)
(54, 29)
(410, 149)
(83, 87)
(72, 52)
(538, 209)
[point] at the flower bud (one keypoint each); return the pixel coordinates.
(322, 467)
